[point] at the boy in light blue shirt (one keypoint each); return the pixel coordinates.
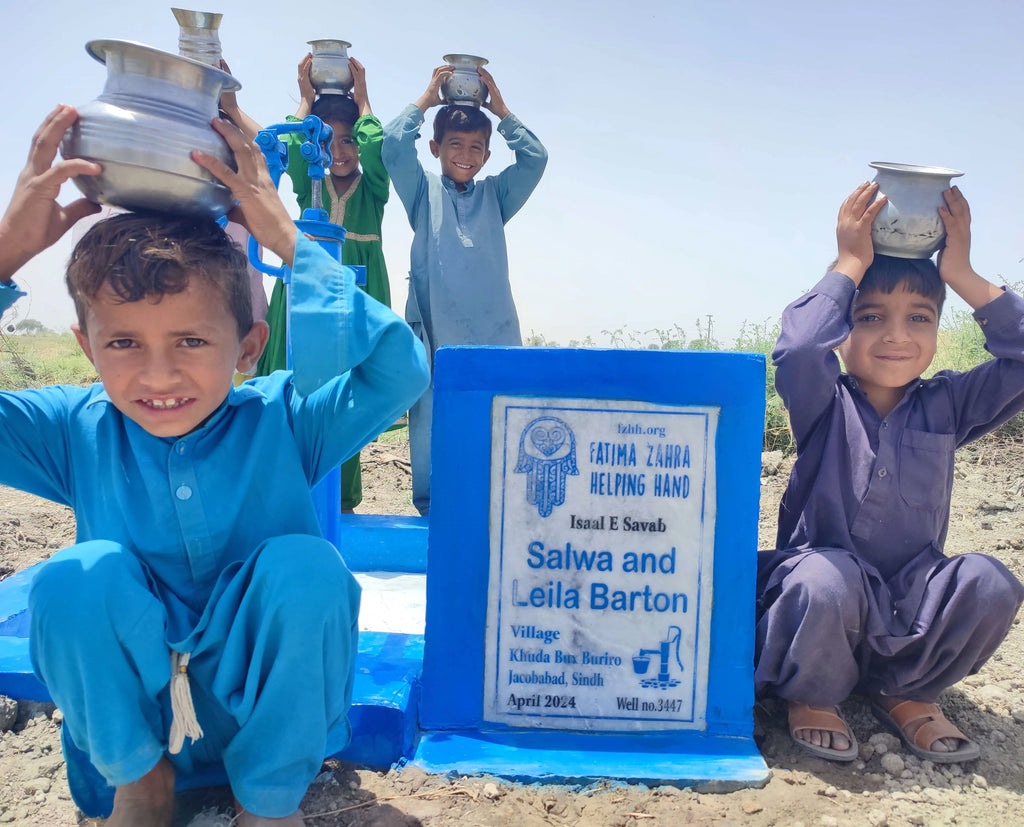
(198, 551)
(459, 291)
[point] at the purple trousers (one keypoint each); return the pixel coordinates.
(829, 625)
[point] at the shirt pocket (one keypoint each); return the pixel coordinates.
(926, 468)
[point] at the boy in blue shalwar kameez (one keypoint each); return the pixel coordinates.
(459, 291)
(198, 547)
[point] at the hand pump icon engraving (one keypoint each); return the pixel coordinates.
(642, 661)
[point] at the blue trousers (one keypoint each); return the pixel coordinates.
(420, 424)
(271, 672)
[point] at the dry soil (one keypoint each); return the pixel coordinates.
(887, 786)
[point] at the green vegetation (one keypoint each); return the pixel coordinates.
(961, 346)
(32, 361)
(38, 358)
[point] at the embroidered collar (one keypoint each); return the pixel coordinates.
(338, 202)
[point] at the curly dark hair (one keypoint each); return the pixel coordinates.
(148, 255)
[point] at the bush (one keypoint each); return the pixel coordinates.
(46, 359)
(961, 346)
(43, 359)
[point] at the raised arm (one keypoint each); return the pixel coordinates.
(398, 152)
(815, 324)
(806, 366)
(229, 105)
(359, 93)
(34, 220)
(307, 94)
(31, 431)
(515, 183)
(992, 392)
(955, 258)
(341, 333)
(369, 135)
(259, 207)
(853, 231)
(431, 96)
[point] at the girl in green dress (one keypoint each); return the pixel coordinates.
(354, 195)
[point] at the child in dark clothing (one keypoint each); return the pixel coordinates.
(858, 595)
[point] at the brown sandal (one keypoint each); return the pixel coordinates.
(935, 726)
(827, 719)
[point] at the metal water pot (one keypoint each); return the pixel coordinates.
(463, 87)
(155, 109)
(909, 225)
(330, 73)
(198, 37)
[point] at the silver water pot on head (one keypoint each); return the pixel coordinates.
(155, 108)
(909, 225)
(330, 73)
(464, 87)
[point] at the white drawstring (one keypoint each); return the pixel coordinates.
(183, 712)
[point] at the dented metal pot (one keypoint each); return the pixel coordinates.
(909, 225)
(464, 87)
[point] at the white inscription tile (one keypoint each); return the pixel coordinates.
(602, 530)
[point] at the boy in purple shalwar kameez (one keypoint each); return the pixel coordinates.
(859, 596)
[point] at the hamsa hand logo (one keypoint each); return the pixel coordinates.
(547, 455)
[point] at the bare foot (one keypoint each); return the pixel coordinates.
(148, 802)
(243, 818)
(938, 745)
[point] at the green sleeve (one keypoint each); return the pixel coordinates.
(369, 135)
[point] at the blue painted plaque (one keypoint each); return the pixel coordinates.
(590, 566)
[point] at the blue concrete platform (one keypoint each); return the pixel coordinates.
(16, 677)
(385, 699)
(690, 760)
(373, 542)
(385, 694)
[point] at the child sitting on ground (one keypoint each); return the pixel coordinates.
(459, 292)
(353, 194)
(859, 596)
(165, 463)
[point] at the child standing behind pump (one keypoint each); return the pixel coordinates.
(859, 596)
(353, 194)
(459, 291)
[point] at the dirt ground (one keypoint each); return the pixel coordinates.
(887, 786)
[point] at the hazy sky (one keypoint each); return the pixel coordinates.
(698, 151)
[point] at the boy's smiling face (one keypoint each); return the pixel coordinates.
(168, 364)
(462, 154)
(892, 343)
